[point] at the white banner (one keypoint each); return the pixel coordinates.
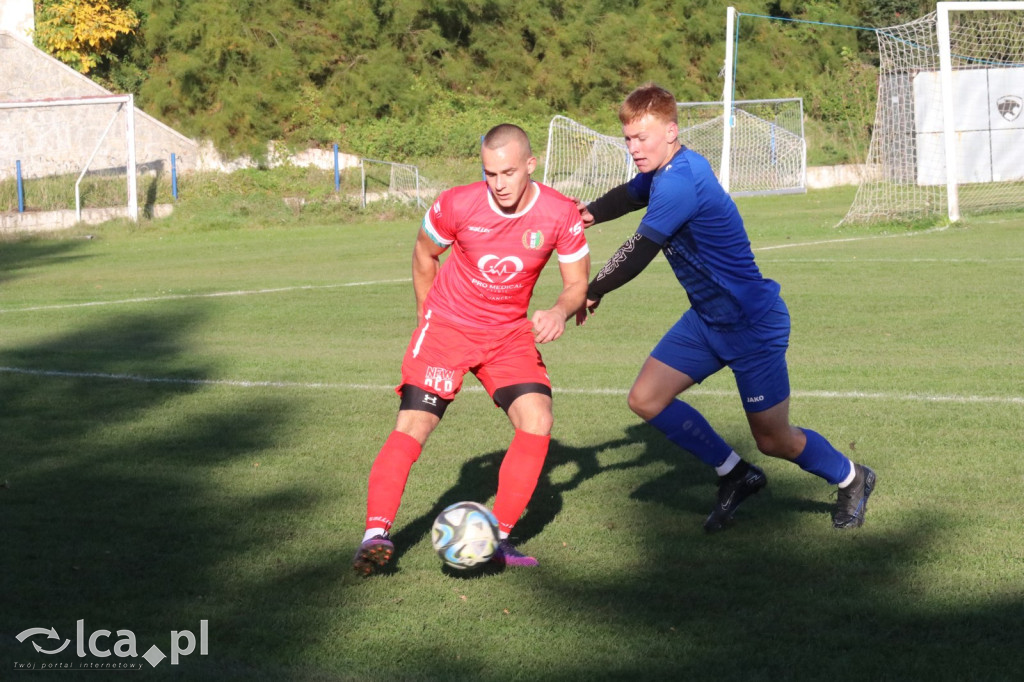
(989, 123)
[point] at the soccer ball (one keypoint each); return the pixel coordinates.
(465, 534)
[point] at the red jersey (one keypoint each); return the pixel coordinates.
(488, 277)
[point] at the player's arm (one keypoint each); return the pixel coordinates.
(629, 261)
(426, 261)
(549, 324)
(613, 204)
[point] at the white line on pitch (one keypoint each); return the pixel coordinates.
(215, 294)
(851, 239)
(838, 395)
(252, 292)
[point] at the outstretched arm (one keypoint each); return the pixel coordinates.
(549, 324)
(625, 264)
(613, 204)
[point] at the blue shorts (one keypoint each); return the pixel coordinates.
(756, 355)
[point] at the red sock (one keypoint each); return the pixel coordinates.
(517, 477)
(388, 475)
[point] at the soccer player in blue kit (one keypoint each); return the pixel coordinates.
(736, 317)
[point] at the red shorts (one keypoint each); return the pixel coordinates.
(440, 353)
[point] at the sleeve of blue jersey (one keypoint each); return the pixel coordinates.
(673, 203)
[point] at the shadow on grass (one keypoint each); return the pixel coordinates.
(765, 602)
(28, 253)
(687, 486)
(110, 510)
(114, 514)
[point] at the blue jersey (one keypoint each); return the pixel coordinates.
(702, 235)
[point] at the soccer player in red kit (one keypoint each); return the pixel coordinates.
(472, 317)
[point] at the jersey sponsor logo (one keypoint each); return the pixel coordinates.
(439, 378)
(499, 270)
(576, 229)
(533, 239)
(1009, 107)
(474, 228)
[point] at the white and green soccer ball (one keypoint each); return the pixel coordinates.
(465, 535)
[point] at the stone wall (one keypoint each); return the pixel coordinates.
(820, 177)
(60, 139)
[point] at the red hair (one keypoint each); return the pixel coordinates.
(649, 99)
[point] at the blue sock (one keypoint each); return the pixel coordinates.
(821, 459)
(687, 428)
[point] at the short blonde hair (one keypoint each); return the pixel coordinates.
(649, 99)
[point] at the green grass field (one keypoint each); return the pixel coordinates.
(188, 415)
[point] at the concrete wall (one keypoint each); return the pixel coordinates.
(820, 177)
(59, 139)
(35, 222)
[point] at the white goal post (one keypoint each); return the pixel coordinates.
(766, 149)
(399, 181)
(51, 145)
(949, 122)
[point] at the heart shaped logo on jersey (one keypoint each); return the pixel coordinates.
(499, 270)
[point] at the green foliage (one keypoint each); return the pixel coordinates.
(408, 78)
(81, 32)
(451, 126)
(885, 13)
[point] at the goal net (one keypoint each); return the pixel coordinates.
(949, 122)
(70, 147)
(583, 163)
(767, 154)
(387, 180)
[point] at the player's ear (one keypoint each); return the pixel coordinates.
(531, 164)
(672, 132)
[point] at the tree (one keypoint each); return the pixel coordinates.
(79, 32)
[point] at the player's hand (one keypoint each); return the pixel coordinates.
(589, 307)
(586, 217)
(548, 325)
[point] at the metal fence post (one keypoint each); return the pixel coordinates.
(21, 188)
(337, 174)
(174, 176)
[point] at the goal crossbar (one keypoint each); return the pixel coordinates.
(125, 103)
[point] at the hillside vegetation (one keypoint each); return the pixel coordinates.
(404, 79)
